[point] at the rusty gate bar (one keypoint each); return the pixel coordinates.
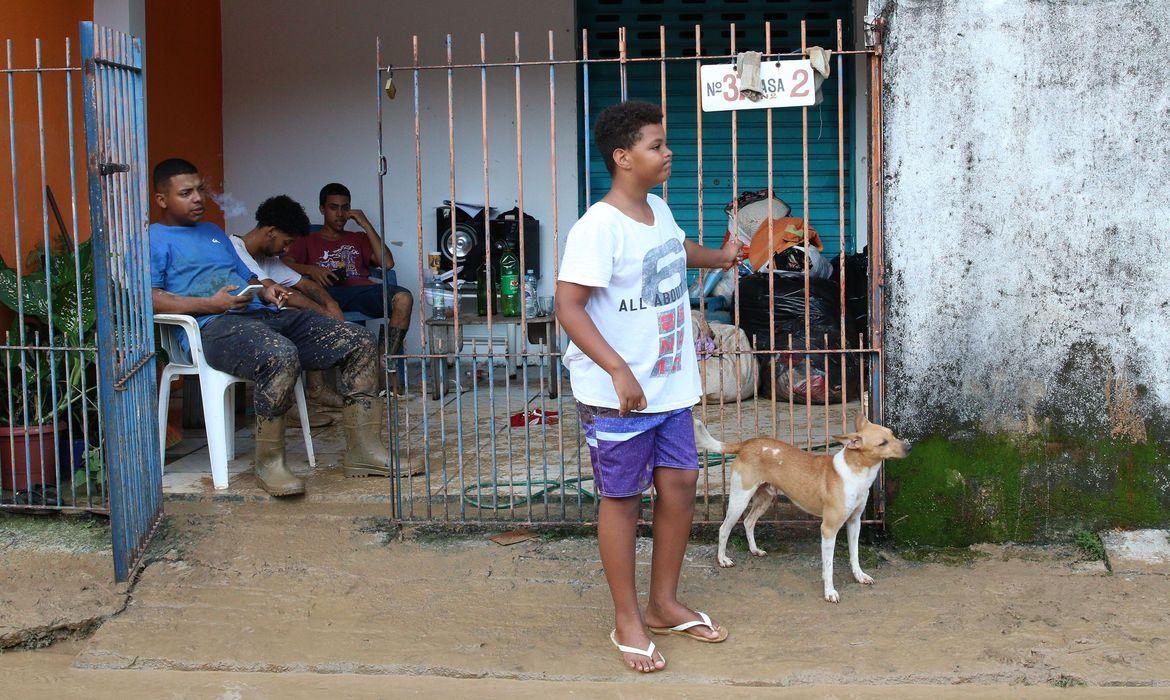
(383, 170)
(115, 129)
(735, 295)
(473, 465)
(706, 459)
(489, 276)
(877, 256)
(771, 246)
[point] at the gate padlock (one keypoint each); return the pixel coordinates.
(391, 91)
(747, 72)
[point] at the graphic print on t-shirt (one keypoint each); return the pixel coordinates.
(664, 284)
(639, 303)
(670, 340)
(342, 255)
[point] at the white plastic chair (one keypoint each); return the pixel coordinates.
(218, 393)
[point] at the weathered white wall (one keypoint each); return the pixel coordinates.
(299, 110)
(1027, 211)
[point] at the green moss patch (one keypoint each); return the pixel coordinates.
(993, 488)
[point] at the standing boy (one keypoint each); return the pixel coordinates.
(622, 298)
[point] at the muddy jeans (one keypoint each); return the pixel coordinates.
(271, 349)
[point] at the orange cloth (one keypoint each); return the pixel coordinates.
(786, 232)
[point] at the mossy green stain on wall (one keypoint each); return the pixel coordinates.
(993, 488)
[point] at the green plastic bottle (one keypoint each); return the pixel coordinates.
(509, 281)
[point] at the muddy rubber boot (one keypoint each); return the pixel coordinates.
(395, 339)
(364, 453)
(316, 420)
(271, 471)
(321, 393)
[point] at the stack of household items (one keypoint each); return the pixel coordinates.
(771, 299)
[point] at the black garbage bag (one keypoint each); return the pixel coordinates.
(788, 305)
(856, 292)
(840, 377)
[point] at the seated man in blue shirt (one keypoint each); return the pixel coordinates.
(195, 270)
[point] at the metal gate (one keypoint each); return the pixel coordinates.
(669, 26)
(115, 135)
(473, 436)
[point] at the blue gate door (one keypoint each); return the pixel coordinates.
(115, 136)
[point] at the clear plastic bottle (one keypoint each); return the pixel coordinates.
(530, 294)
(433, 288)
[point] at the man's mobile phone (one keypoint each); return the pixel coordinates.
(249, 288)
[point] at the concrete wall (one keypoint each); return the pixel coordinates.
(299, 110)
(22, 23)
(124, 15)
(1027, 210)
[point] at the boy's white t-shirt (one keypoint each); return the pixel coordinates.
(268, 268)
(639, 303)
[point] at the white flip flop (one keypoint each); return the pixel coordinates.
(648, 652)
(704, 620)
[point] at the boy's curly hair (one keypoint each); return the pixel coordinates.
(284, 214)
(619, 126)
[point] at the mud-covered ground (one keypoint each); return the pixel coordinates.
(257, 594)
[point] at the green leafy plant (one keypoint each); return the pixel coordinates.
(26, 389)
(56, 293)
(1091, 545)
(54, 282)
(48, 295)
(93, 471)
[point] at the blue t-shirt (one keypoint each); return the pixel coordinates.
(197, 261)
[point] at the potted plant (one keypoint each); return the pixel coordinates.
(41, 387)
(79, 445)
(28, 421)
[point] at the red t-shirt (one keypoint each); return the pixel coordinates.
(352, 248)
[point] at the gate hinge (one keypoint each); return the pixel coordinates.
(105, 169)
(875, 31)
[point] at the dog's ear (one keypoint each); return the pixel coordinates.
(851, 441)
(859, 420)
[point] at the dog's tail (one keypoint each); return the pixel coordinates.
(704, 441)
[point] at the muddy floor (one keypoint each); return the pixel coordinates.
(56, 579)
(49, 674)
(308, 588)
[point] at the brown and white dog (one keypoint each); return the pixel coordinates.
(835, 487)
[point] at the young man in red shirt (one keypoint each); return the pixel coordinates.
(340, 261)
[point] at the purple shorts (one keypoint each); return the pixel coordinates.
(626, 450)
